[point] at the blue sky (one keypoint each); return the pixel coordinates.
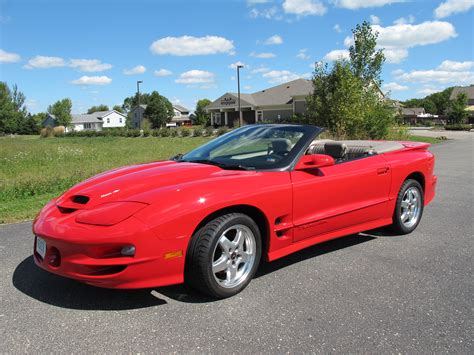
(94, 51)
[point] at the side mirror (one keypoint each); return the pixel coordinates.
(313, 161)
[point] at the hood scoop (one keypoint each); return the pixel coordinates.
(80, 199)
(73, 203)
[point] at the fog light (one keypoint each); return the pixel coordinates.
(54, 257)
(128, 250)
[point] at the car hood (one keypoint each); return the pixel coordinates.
(132, 182)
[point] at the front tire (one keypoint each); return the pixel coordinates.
(409, 207)
(224, 255)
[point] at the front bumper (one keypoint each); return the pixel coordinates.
(91, 254)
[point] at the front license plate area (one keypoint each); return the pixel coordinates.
(41, 247)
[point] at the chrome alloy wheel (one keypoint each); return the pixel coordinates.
(234, 256)
(410, 207)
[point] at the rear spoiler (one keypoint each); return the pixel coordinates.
(415, 145)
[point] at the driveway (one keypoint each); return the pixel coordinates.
(366, 293)
(442, 133)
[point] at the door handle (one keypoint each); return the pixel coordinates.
(383, 170)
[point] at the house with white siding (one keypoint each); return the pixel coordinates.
(91, 122)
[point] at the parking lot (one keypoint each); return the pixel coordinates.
(367, 293)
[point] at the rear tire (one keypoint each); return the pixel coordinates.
(409, 207)
(223, 255)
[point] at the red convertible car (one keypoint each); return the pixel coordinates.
(208, 217)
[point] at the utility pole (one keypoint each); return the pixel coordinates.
(138, 106)
(241, 121)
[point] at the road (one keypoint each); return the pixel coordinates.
(441, 133)
(367, 293)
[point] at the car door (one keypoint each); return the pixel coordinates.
(339, 196)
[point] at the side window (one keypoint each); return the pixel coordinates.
(108, 120)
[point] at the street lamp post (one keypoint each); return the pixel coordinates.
(241, 121)
(138, 104)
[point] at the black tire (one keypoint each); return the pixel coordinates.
(201, 253)
(398, 226)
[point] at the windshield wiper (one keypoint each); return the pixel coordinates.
(220, 165)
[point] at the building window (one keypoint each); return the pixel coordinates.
(87, 125)
(108, 120)
(120, 119)
(260, 116)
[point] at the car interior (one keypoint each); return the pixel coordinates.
(347, 150)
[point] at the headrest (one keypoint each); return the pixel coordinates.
(335, 149)
(281, 145)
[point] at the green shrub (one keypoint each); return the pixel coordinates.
(222, 130)
(146, 133)
(458, 127)
(164, 132)
(155, 133)
(174, 132)
(209, 131)
(198, 132)
(185, 132)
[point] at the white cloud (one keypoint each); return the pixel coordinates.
(6, 57)
(436, 76)
(451, 7)
(396, 39)
(162, 72)
(302, 54)
(264, 55)
(404, 20)
(234, 65)
(260, 70)
(375, 20)
(275, 39)
(42, 62)
(336, 54)
(395, 55)
(272, 13)
(428, 91)
(139, 69)
(247, 87)
(337, 28)
(92, 80)
(393, 86)
(196, 77)
(450, 65)
(357, 4)
(304, 7)
(280, 76)
(189, 45)
(89, 65)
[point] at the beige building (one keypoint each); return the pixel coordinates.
(273, 104)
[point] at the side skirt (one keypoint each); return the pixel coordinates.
(328, 236)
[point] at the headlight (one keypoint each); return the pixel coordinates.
(109, 214)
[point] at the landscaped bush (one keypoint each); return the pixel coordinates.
(198, 132)
(164, 132)
(185, 132)
(174, 132)
(458, 127)
(222, 130)
(209, 131)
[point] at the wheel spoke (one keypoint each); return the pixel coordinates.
(244, 257)
(239, 240)
(404, 204)
(231, 273)
(225, 244)
(220, 264)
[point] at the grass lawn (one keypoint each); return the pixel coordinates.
(431, 140)
(34, 170)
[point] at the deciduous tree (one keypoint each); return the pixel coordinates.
(202, 117)
(458, 113)
(61, 109)
(159, 110)
(98, 108)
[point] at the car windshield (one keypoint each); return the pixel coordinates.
(254, 147)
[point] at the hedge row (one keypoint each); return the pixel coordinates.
(458, 127)
(123, 132)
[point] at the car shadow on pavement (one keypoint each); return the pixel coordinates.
(66, 293)
(182, 293)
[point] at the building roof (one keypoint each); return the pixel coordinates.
(93, 117)
(468, 90)
(413, 111)
(180, 108)
(277, 95)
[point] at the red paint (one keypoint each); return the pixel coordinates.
(156, 207)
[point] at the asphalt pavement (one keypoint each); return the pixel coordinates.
(366, 293)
